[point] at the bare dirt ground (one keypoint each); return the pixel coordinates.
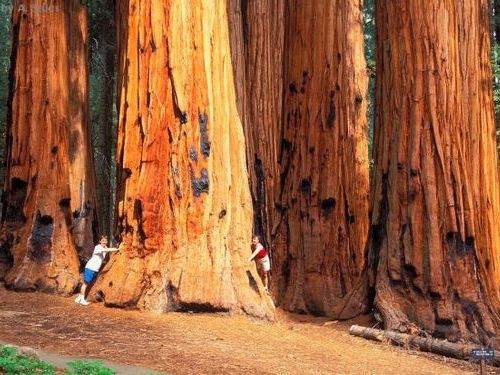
(206, 343)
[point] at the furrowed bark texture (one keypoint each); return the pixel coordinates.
(323, 193)
(82, 174)
(184, 208)
(49, 203)
(436, 194)
(263, 41)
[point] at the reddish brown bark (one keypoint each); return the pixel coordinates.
(307, 151)
(262, 38)
(82, 174)
(184, 208)
(436, 193)
(323, 189)
(49, 201)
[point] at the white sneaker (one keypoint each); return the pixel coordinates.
(78, 298)
(84, 302)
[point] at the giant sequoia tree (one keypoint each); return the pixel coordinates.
(322, 201)
(304, 108)
(49, 203)
(258, 37)
(184, 208)
(436, 194)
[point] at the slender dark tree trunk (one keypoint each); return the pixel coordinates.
(105, 133)
(108, 136)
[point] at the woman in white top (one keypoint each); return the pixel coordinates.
(92, 268)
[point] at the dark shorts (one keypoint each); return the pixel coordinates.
(89, 276)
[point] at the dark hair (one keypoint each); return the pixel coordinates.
(103, 237)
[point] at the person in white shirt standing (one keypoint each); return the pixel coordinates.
(92, 268)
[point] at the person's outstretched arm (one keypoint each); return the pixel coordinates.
(112, 249)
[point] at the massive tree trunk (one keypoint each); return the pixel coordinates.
(436, 193)
(184, 208)
(320, 239)
(49, 203)
(261, 49)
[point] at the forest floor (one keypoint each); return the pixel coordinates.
(183, 343)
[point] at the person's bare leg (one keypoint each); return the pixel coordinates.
(83, 290)
(88, 287)
(260, 271)
(81, 295)
(263, 277)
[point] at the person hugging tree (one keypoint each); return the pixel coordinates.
(92, 268)
(263, 261)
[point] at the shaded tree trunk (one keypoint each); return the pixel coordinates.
(184, 208)
(107, 135)
(104, 64)
(436, 193)
(323, 190)
(49, 209)
(82, 174)
(259, 46)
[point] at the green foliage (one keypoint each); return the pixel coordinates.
(88, 368)
(370, 37)
(11, 363)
